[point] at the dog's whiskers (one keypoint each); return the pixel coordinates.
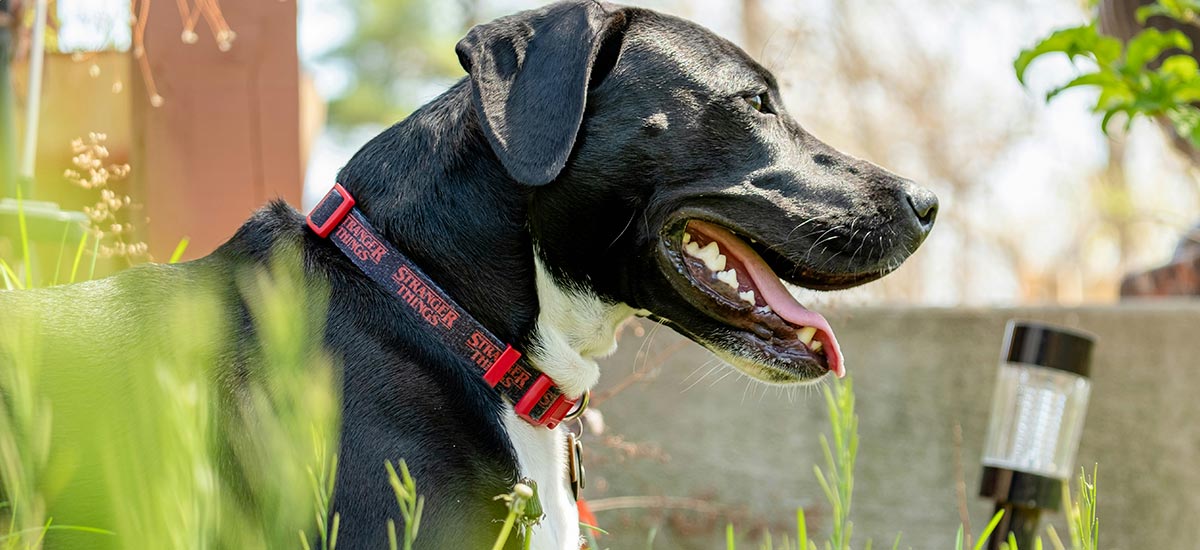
(706, 375)
(643, 352)
(628, 224)
(802, 224)
(820, 240)
(723, 376)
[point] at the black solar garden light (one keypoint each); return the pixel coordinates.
(1038, 410)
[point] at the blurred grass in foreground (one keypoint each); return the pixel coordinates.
(118, 429)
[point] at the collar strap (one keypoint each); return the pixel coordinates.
(535, 396)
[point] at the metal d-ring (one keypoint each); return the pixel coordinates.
(581, 406)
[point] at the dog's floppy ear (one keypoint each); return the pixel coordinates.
(530, 74)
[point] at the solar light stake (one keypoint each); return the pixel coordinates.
(1038, 409)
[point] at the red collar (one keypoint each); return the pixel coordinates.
(534, 395)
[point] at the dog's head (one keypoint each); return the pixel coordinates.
(666, 174)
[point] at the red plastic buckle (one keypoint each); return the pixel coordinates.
(338, 214)
(553, 414)
(496, 372)
(558, 411)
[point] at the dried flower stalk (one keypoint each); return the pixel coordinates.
(92, 172)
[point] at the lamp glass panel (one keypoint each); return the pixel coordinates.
(1037, 420)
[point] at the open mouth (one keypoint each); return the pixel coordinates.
(729, 280)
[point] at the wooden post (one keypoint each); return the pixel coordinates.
(226, 138)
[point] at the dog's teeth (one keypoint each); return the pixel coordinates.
(728, 277)
(687, 238)
(815, 346)
(748, 296)
(709, 254)
(806, 334)
(717, 265)
(767, 308)
(692, 249)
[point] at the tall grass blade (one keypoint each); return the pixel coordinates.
(48, 527)
(801, 530)
(11, 280)
(95, 255)
(987, 531)
(1054, 540)
(62, 248)
(179, 250)
(78, 255)
(24, 230)
(649, 539)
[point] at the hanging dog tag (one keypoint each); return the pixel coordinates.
(575, 464)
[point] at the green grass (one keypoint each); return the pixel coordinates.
(411, 504)
(178, 464)
(837, 483)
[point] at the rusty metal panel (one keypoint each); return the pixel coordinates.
(226, 136)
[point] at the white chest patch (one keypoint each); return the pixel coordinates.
(574, 328)
(542, 457)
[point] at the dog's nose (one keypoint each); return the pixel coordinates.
(924, 204)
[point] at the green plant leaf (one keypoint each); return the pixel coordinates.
(1180, 10)
(1146, 12)
(1151, 43)
(1104, 80)
(1180, 66)
(1074, 42)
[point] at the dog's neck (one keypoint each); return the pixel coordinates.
(432, 186)
(574, 328)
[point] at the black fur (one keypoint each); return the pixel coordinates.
(589, 130)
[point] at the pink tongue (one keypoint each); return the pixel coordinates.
(774, 293)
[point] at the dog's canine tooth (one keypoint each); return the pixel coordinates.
(816, 346)
(692, 249)
(687, 238)
(728, 277)
(709, 254)
(748, 296)
(806, 335)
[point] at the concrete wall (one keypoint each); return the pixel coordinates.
(747, 451)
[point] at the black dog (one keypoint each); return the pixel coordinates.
(598, 162)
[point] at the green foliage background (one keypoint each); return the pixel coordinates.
(397, 47)
(1153, 75)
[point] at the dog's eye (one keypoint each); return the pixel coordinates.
(758, 102)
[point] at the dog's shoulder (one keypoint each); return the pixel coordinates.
(269, 230)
